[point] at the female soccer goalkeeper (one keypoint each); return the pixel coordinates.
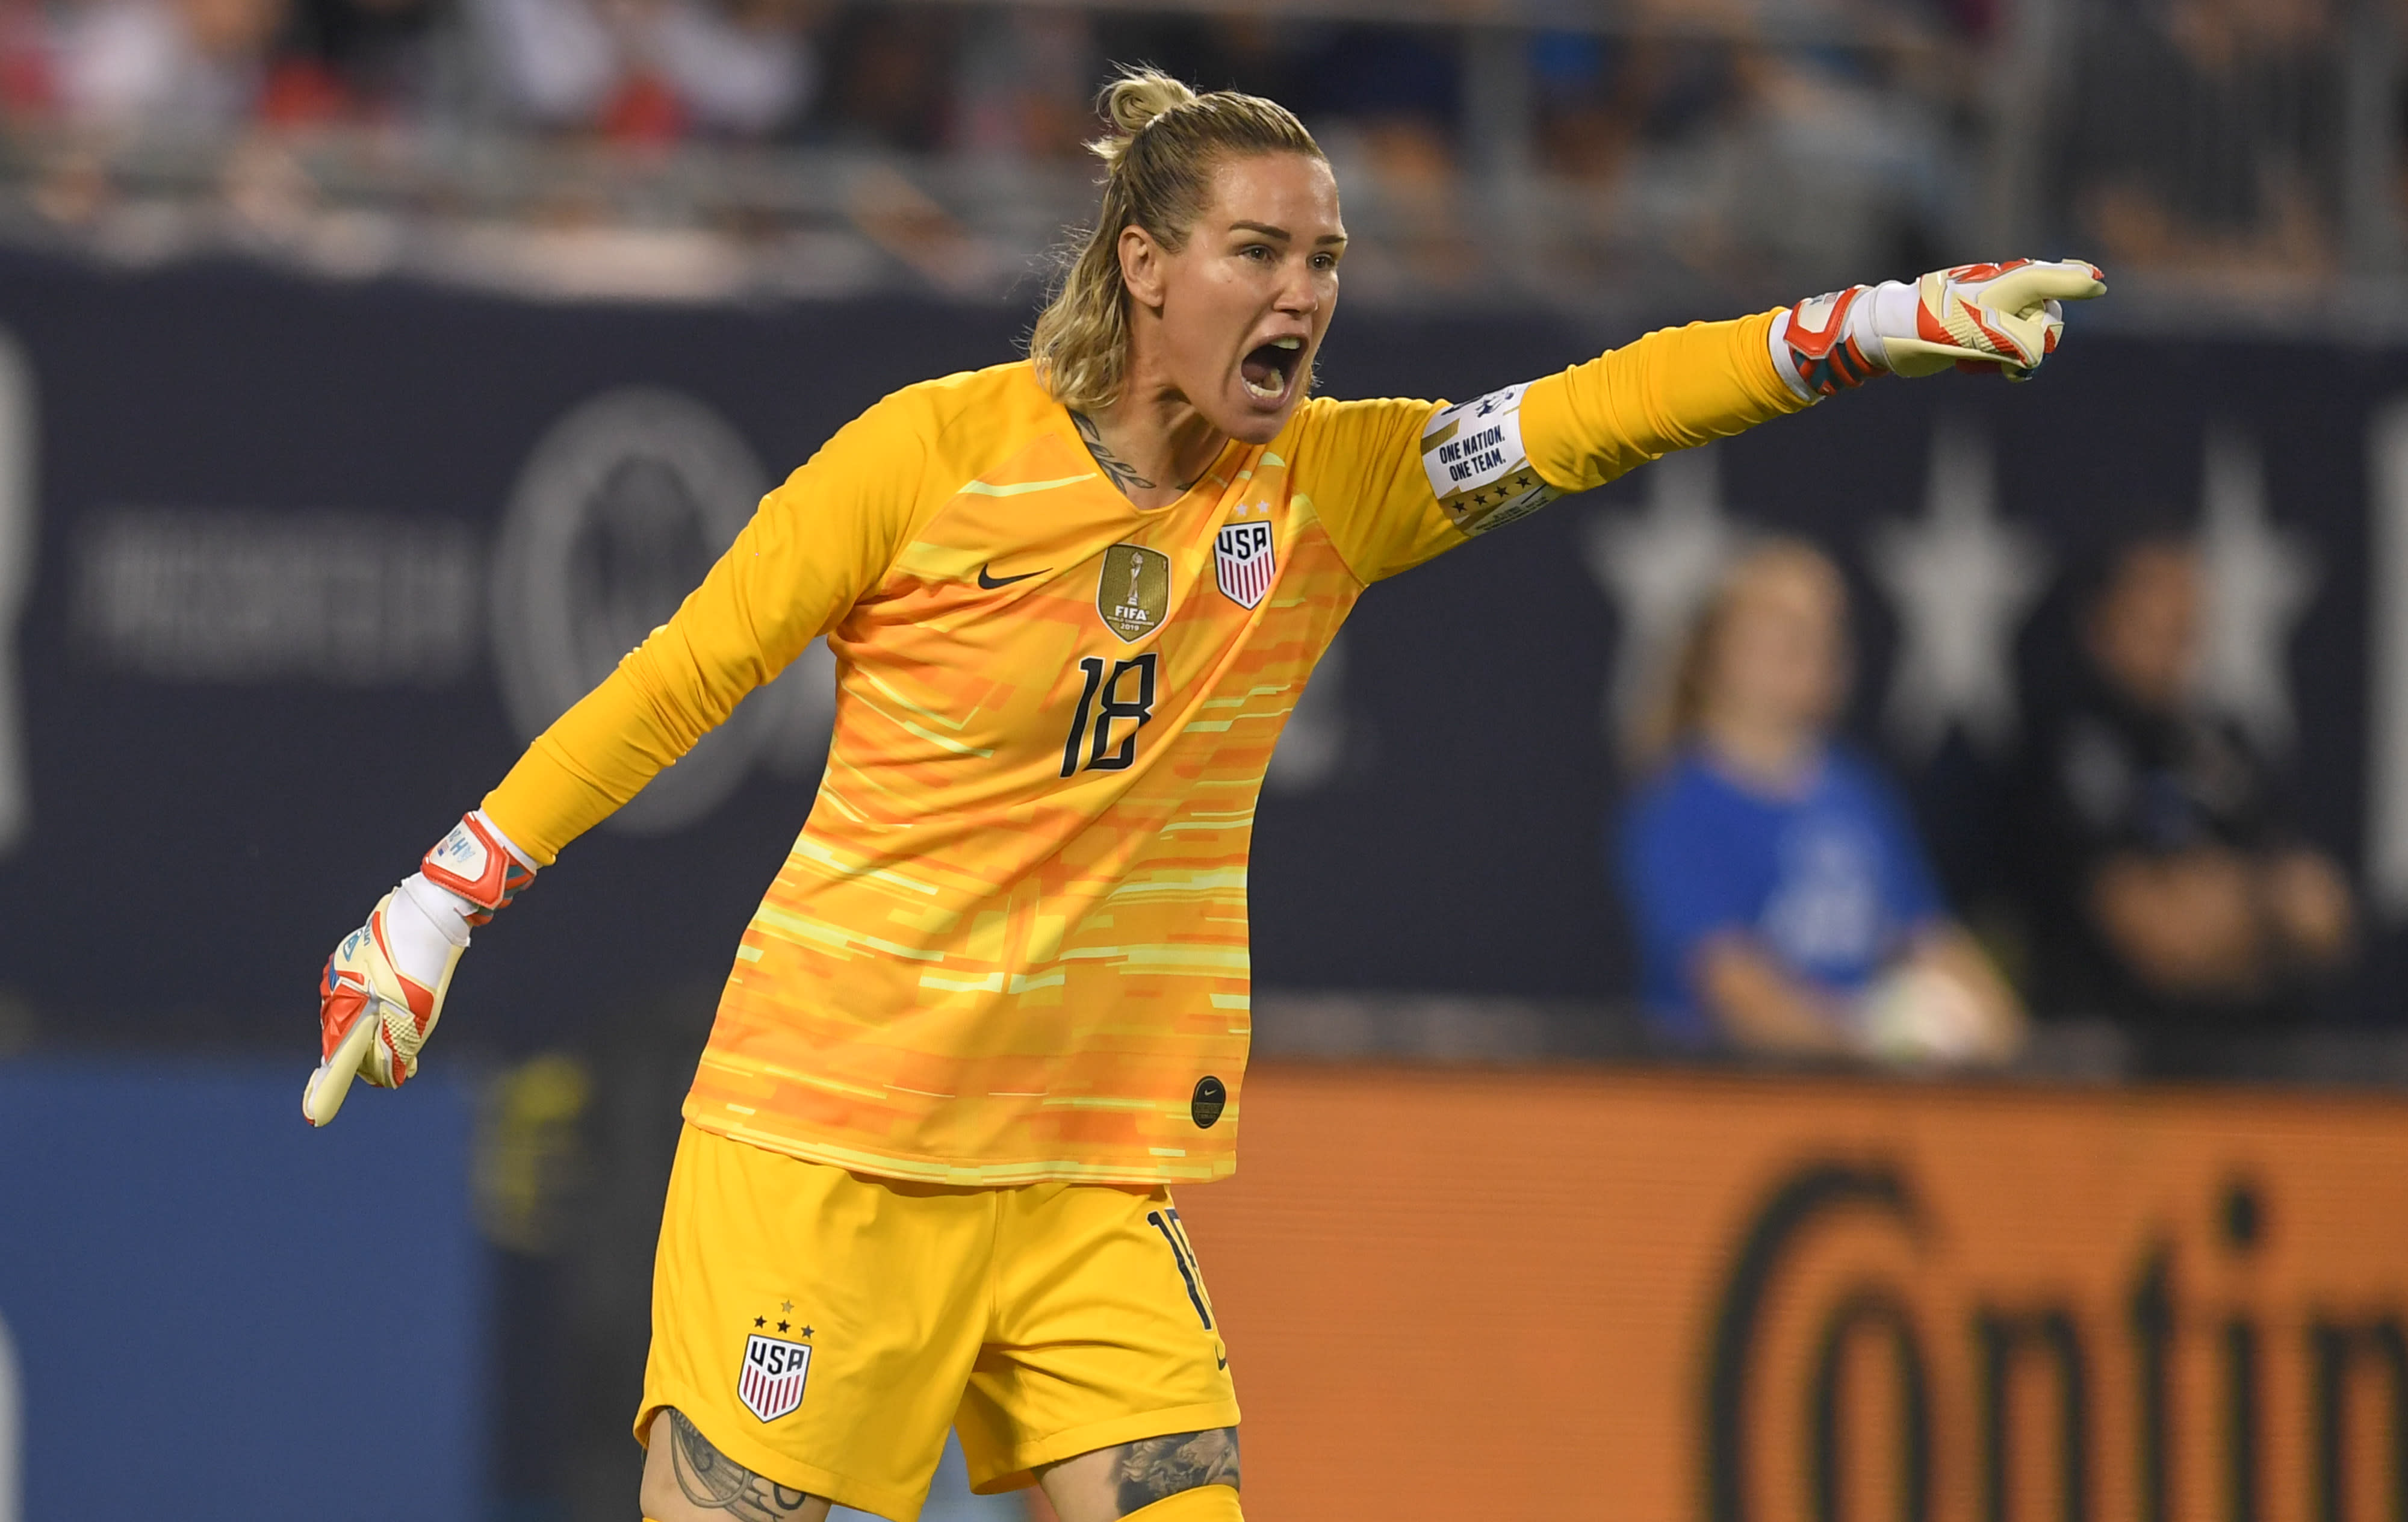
(994, 1002)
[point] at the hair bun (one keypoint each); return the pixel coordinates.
(1134, 101)
(1079, 347)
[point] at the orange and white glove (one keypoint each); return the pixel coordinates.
(2005, 318)
(384, 987)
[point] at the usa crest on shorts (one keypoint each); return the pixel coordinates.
(1243, 559)
(771, 1382)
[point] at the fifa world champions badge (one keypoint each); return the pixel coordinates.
(1242, 561)
(770, 1384)
(1133, 594)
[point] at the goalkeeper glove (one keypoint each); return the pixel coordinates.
(1976, 317)
(384, 987)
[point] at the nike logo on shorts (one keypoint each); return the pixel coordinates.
(991, 582)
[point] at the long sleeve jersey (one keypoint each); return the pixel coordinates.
(1010, 943)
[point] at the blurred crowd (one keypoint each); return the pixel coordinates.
(970, 77)
(2199, 136)
(1656, 144)
(2151, 874)
(2210, 137)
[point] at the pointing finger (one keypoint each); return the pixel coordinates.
(2023, 292)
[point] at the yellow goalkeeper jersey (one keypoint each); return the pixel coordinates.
(1010, 943)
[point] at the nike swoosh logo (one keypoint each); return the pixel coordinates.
(991, 582)
(1224, 1360)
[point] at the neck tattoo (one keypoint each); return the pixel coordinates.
(1123, 475)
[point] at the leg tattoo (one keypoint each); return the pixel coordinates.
(1153, 1469)
(717, 1483)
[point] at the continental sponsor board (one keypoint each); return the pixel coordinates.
(1651, 1296)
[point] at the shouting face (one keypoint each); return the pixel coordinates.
(1238, 310)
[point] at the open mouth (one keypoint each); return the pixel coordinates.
(1268, 370)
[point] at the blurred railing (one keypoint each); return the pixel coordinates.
(1575, 155)
(1588, 156)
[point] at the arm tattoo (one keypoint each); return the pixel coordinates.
(1152, 1469)
(717, 1483)
(1123, 475)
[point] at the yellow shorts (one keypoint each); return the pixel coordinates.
(823, 1329)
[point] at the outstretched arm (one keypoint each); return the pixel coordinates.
(1758, 1007)
(817, 545)
(1687, 386)
(1496, 458)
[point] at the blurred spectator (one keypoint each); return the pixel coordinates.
(2201, 136)
(1584, 127)
(1251, 54)
(1683, 87)
(352, 58)
(164, 66)
(651, 69)
(1974, 20)
(1385, 103)
(1781, 902)
(1028, 84)
(891, 73)
(2168, 889)
(1390, 95)
(1384, 73)
(28, 73)
(1828, 126)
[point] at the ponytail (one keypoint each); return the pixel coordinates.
(1159, 158)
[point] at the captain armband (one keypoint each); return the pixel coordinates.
(1477, 466)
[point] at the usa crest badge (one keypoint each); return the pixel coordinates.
(1242, 560)
(771, 1383)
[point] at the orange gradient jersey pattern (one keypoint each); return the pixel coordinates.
(1011, 943)
(974, 967)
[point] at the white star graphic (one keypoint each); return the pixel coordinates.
(1657, 567)
(1962, 583)
(2260, 579)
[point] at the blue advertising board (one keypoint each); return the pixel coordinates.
(217, 1312)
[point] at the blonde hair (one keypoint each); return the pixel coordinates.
(1165, 142)
(1684, 688)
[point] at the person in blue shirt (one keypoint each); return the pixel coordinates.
(1781, 899)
